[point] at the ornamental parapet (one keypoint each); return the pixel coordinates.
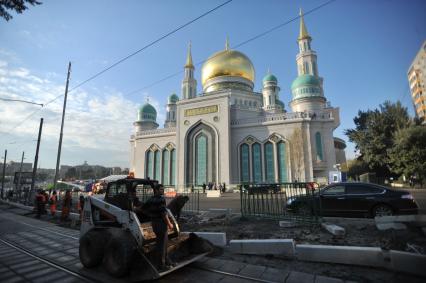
(308, 115)
(154, 132)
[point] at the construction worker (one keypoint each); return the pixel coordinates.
(53, 203)
(39, 200)
(66, 206)
(155, 207)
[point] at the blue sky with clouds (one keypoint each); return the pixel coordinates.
(364, 50)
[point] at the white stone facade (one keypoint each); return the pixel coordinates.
(231, 134)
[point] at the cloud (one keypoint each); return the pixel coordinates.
(97, 120)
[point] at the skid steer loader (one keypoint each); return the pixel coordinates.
(123, 241)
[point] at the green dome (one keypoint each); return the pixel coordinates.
(270, 78)
(173, 98)
(147, 112)
(305, 80)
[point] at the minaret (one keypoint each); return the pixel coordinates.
(171, 111)
(307, 87)
(189, 84)
(307, 58)
(270, 93)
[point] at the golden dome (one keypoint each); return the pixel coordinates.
(227, 63)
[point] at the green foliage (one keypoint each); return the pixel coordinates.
(374, 135)
(356, 168)
(409, 153)
(16, 5)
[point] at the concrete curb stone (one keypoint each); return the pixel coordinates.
(364, 256)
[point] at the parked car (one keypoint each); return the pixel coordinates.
(354, 199)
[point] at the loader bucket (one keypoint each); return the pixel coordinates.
(183, 250)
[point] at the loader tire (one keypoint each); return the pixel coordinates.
(119, 254)
(91, 249)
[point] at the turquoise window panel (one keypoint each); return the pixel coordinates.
(173, 167)
(150, 159)
(269, 163)
(245, 171)
(166, 163)
(257, 163)
(157, 160)
(201, 159)
(318, 145)
(282, 165)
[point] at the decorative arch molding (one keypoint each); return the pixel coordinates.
(154, 147)
(195, 154)
(170, 146)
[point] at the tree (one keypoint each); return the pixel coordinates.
(409, 153)
(356, 168)
(17, 5)
(374, 135)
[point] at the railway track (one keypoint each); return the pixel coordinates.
(30, 242)
(58, 267)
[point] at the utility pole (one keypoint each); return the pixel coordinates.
(58, 158)
(20, 175)
(4, 173)
(36, 154)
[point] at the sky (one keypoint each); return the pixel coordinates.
(364, 50)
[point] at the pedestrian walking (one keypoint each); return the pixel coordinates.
(204, 188)
(210, 186)
(220, 187)
(66, 206)
(224, 187)
(45, 200)
(53, 203)
(214, 186)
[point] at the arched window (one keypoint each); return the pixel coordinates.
(269, 163)
(201, 159)
(244, 155)
(166, 163)
(257, 163)
(318, 145)
(149, 161)
(173, 167)
(282, 167)
(157, 163)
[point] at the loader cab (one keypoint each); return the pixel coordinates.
(122, 193)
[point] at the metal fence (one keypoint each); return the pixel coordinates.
(278, 200)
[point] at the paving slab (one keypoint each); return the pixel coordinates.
(300, 277)
(275, 275)
(281, 247)
(232, 266)
(251, 270)
(324, 279)
(408, 262)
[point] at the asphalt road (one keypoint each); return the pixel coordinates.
(232, 201)
(420, 198)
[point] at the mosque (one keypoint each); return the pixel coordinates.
(231, 134)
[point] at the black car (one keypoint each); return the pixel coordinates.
(354, 199)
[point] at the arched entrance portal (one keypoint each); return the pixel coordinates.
(200, 155)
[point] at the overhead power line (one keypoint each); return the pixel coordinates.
(236, 46)
(20, 100)
(122, 60)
